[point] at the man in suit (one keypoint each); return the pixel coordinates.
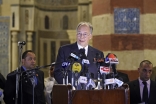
(143, 90)
(49, 83)
(31, 83)
(84, 34)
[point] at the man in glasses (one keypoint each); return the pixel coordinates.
(143, 90)
(83, 35)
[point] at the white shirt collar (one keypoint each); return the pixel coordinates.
(140, 81)
(86, 48)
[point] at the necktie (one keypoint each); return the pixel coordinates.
(82, 53)
(33, 80)
(145, 92)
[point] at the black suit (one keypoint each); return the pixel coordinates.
(122, 76)
(27, 89)
(135, 97)
(63, 55)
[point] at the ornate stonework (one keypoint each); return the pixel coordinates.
(57, 2)
(4, 44)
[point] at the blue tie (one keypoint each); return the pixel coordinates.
(35, 80)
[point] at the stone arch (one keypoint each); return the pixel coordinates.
(46, 22)
(65, 22)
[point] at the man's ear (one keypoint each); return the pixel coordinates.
(90, 36)
(138, 69)
(22, 60)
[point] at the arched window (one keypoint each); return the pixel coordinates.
(65, 22)
(13, 19)
(46, 21)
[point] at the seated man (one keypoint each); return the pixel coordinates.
(49, 83)
(143, 90)
(31, 83)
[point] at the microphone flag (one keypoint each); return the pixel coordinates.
(76, 67)
(111, 58)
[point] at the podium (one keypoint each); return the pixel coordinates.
(63, 94)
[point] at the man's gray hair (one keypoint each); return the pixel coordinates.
(87, 24)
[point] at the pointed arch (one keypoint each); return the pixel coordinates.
(46, 22)
(13, 19)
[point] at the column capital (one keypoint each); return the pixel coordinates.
(14, 36)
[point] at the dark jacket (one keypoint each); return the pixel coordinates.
(63, 55)
(135, 97)
(27, 89)
(122, 76)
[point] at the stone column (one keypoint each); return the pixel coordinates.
(72, 35)
(29, 40)
(14, 55)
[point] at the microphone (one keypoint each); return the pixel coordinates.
(85, 64)
(85, 61)
(98, 58)
(74, 56)
(76, 67)
(64, 71)
(104, 70)
(65, 64)
(52, 64)
(21, 43)
(90, 85)
(112, 59)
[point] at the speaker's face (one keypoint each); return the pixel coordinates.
(83, 35)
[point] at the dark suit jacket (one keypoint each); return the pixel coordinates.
(122, 76)
(135, 97)
(27, 89)
(63, 55)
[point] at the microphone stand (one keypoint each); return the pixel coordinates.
(71, 61)
(18, 74)
(99, 60)
(111, 86)
(32, 77)
(65, 76)
(99, 83)
(33, 83)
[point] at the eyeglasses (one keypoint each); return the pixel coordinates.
(79, 34)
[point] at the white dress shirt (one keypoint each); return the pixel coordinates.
(86, 48)
(49, 83)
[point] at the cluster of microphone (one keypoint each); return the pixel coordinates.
(83, 79)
